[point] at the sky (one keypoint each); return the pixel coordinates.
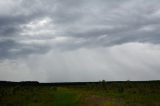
(79, 40)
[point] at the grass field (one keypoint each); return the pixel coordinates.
(95, 94)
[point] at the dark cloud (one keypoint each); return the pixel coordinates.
(4, 48)
(93, 34)
(90, 23)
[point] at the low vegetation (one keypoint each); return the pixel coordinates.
(102, 93)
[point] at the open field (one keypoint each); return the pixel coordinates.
(102, 93)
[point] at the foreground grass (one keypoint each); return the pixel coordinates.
(82, 95)
(65, 97)
(37, 96)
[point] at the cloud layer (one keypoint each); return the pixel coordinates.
(119, 38)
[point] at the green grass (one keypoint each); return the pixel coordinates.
(65, 97)
(37, 96)
(83, 95)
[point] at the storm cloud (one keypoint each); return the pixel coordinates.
(84, 40)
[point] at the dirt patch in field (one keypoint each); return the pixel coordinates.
(95, 100)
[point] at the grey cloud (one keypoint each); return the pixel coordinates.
(9, 49)
(87, 23)
(4, 47)
(130, 61)
(79, 40)
(125, 20)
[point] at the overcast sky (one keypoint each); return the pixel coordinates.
(79, 40)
